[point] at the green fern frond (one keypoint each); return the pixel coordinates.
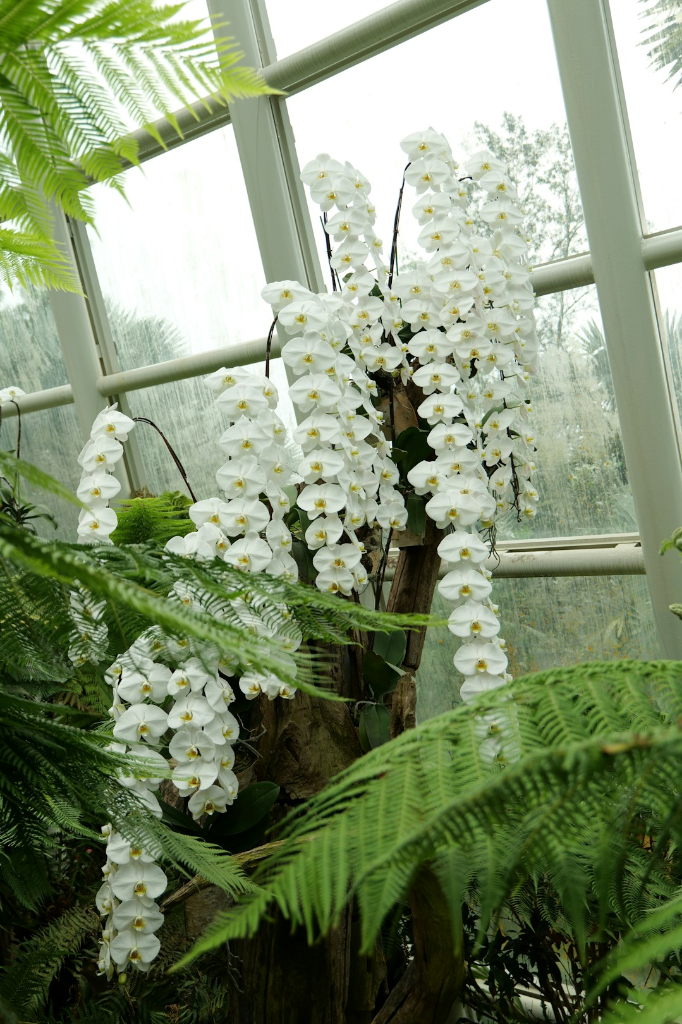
(152, 519)
(585, 752)
(24, 984)
(28, 259)
(74, 78)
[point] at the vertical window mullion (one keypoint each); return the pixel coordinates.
(599, 137)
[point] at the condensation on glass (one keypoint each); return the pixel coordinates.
(30, 353)
(648, 38)
(50, 439)
(547, 623)
(179, 267)
(581, 474)
(187, 414)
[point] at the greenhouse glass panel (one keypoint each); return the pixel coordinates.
(186, 413)
(313, 21)
(523, 121)
(649, 39)
(179, 267)
(50, 439)
(547, 622)
(30, 354)
(581, 475)
(669, 292)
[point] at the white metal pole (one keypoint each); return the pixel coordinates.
(79, 345)
(269, 162)
(604, 165)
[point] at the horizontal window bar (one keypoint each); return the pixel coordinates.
(352, 45)
(622, 560)
(245, 354)
(51, 398)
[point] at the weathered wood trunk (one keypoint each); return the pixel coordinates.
(282, 980)
(305, 742)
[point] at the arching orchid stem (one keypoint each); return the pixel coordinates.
(391, 410)
(176, 460)
(396, 226)
(328, 244)
(16, 406)
(268, 347)
(382, 571)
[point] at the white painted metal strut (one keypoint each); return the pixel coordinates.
(381, 31)
(268, 157)
(599, 136)
(622, 560)
(82, 355)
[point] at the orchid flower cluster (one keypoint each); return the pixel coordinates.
(460, 326)
(158, 667)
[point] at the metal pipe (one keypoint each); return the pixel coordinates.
(390, 26)
(51, 398)
(562, 275)
(186, 366)
(623, 560)
(366, 38)
(662, 249)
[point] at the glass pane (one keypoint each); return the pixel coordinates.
(51, 440)
(669, 288)
(547, 623)
(654, 104)
(180, 268)
(581, 474)
(185, 411)
(30, 356)
(298, 24)
(523, 124)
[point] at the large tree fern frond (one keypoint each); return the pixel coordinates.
(76, 80)
(28, 259)
(578, 751)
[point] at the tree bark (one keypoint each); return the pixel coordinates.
(304, 743)
(283, 980)
(426, 992)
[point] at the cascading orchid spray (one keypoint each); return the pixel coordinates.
(184, 675)
(459, 326)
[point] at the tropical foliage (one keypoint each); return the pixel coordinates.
(78, 76)
(553, 801)
(57, 771)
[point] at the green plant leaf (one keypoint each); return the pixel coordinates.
(413, 442)
(253, 806)
(376, 723)
(416, 514)
(391, 646)
(378, 674)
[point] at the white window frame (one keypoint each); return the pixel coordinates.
(619, 262)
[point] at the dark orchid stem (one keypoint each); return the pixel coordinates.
(328, 243)
(382, 571)
(268, 347)
(391, 410)
(176, 460)
(16, 406)
(396, 225)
